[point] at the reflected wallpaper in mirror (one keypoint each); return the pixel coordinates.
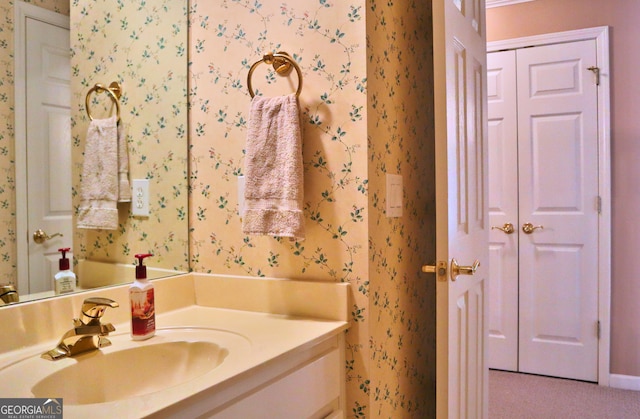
(143, 46)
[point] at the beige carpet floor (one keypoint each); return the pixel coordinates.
(523, 396)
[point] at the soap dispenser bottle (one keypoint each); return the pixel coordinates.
(143, 312)
(65, 280)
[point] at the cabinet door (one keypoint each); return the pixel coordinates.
(310, 391)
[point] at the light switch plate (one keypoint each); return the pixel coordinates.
(140, 197)
(394, 195)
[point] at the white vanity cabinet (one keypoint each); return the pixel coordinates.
(306, 383)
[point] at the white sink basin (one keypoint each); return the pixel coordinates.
(127, 368)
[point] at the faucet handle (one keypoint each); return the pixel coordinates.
(100, 301)
(93, 309)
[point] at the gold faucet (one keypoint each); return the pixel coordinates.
(88, 332)
(8, 294)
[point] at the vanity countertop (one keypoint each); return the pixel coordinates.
(267, 338)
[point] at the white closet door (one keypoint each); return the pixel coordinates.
(503, 210)
(558, 166)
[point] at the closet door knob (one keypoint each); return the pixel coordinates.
(507, 228)
(529, 228)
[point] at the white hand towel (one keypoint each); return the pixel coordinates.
(99, 185)
(274, 181)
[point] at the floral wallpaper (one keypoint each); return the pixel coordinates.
(328, 42)
(8, 251)
(401, 141)
(365, 107)
(142, 45)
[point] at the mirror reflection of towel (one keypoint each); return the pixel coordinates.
(101, 176)
(273, 169)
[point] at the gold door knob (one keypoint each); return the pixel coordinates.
(40, 236)
(507, 228)
(529, 228)
(462, 270)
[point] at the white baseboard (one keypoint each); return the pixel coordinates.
(625, 382)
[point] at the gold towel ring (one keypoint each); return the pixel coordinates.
(113, 91)
(282, 64)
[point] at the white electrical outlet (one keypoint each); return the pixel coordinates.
(140, 197)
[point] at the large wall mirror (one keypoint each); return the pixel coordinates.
(55, 51)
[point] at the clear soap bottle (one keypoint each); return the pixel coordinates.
(65, 280)
(143, 311)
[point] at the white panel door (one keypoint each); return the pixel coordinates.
(503, 210)
(549, 300)
(461, 207)
(558, 166)
(48, 147)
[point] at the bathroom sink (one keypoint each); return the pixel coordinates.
(127, 368)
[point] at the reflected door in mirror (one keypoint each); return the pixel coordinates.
(48, 147)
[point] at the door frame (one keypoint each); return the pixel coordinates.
(22, 12)
(601, 37)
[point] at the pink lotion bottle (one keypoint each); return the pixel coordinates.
(143, 310)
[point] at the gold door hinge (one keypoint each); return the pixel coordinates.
(596, 71)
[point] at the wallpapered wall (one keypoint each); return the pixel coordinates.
(328, 42)
(143, 45)
(401, 140)
(8, 251)
(352, 137)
